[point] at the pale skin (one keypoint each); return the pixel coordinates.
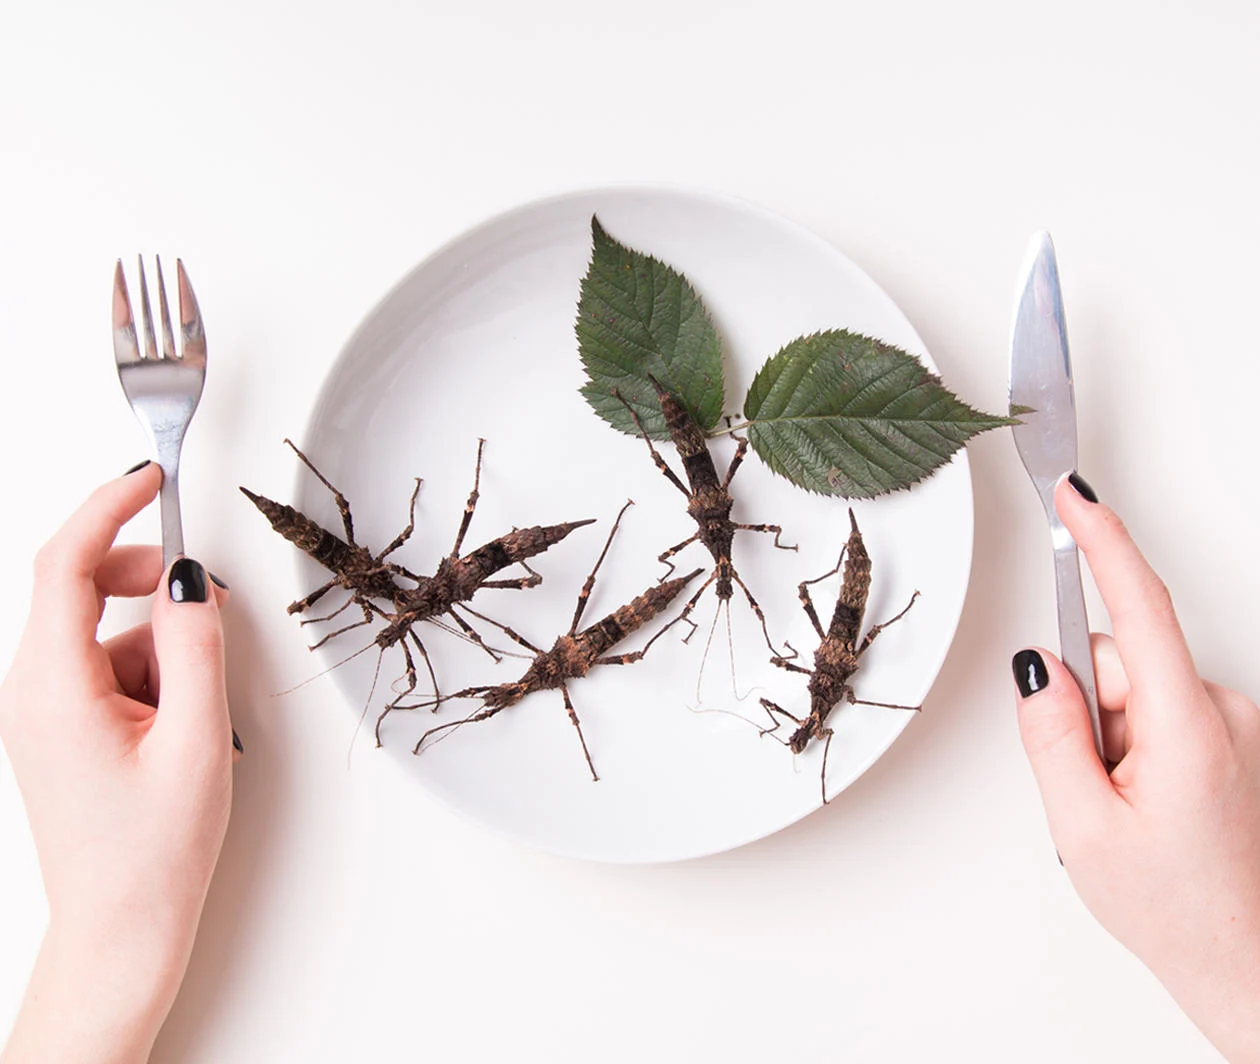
(1165, 851)
(123, 753)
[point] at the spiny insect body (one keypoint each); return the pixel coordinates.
(576, 652)
(371, 580)
(709, 503)
(838, 653)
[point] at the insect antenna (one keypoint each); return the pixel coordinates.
(704, 658)
(325, 672)
(363, 716)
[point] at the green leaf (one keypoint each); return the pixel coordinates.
(843, 414)
(639, 317)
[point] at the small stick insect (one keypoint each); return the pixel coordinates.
(575, 653)
(709, 503)
(369, 577)
(836, 659)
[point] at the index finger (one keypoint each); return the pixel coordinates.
(1145, 626)
(65, 598)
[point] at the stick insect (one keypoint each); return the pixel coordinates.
(575, 653)
(369, 577)
(838, 653)
(709, 503)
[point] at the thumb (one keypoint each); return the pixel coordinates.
(1054, 726)
(188, 644)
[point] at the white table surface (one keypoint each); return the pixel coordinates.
(302, 157)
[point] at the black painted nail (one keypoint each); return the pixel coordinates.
(187, 582)
(219, 582)
(137, 467)
(236, 742)
(1030, 672)
(1082, 488)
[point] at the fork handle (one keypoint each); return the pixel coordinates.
(172, 525)
(1074, 625)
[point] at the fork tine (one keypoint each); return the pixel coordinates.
(194, 336)
(146, 312)
(168, 337)
(125, 347)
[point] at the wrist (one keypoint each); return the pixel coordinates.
(93, 999)
(1224, 1004)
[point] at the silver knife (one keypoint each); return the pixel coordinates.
(1041, 383)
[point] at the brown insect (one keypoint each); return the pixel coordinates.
(370, 579)
(838, 653)
(575, 653)
(709, 503)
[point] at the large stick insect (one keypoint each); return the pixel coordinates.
(838, 653)
(370, 578)
(575, 653)
(709, 503)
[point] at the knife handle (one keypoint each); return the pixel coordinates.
(1073, 623)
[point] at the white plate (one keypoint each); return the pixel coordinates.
(479, 341)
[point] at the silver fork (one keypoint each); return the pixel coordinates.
(163, 392)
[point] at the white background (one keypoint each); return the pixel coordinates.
(302, 157)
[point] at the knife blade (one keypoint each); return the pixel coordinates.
(1042, 393)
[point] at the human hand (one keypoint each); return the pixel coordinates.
(123, 754)
(1166, 851)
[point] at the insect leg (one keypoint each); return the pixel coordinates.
(585, 593)
(822, 775)
(770, 528)
(877, 628)
(367, 619)
(661, 464)
(313, 597)
(471, 504)
(514, 636)
(475, 636)
(481, 714)
(621, 659)
(785, 663)
(665, 556)
(328, 616)
(802, 591)
(738, 458)
(885, 705)
(568, 705)
(757, 610)
(343, 507)
(405, 534)
(410, 675)
(519, 584)
(774, 711)
(684, 615)
(428, 665)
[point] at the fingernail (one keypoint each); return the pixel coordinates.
(187, 582)
(1030, 672)
(137, 467)
(236, 742)
(217, 581)
(1082, 487)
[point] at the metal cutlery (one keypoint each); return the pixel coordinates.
(1043, 397)
(163, 390)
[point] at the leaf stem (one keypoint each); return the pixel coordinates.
(729, 431)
